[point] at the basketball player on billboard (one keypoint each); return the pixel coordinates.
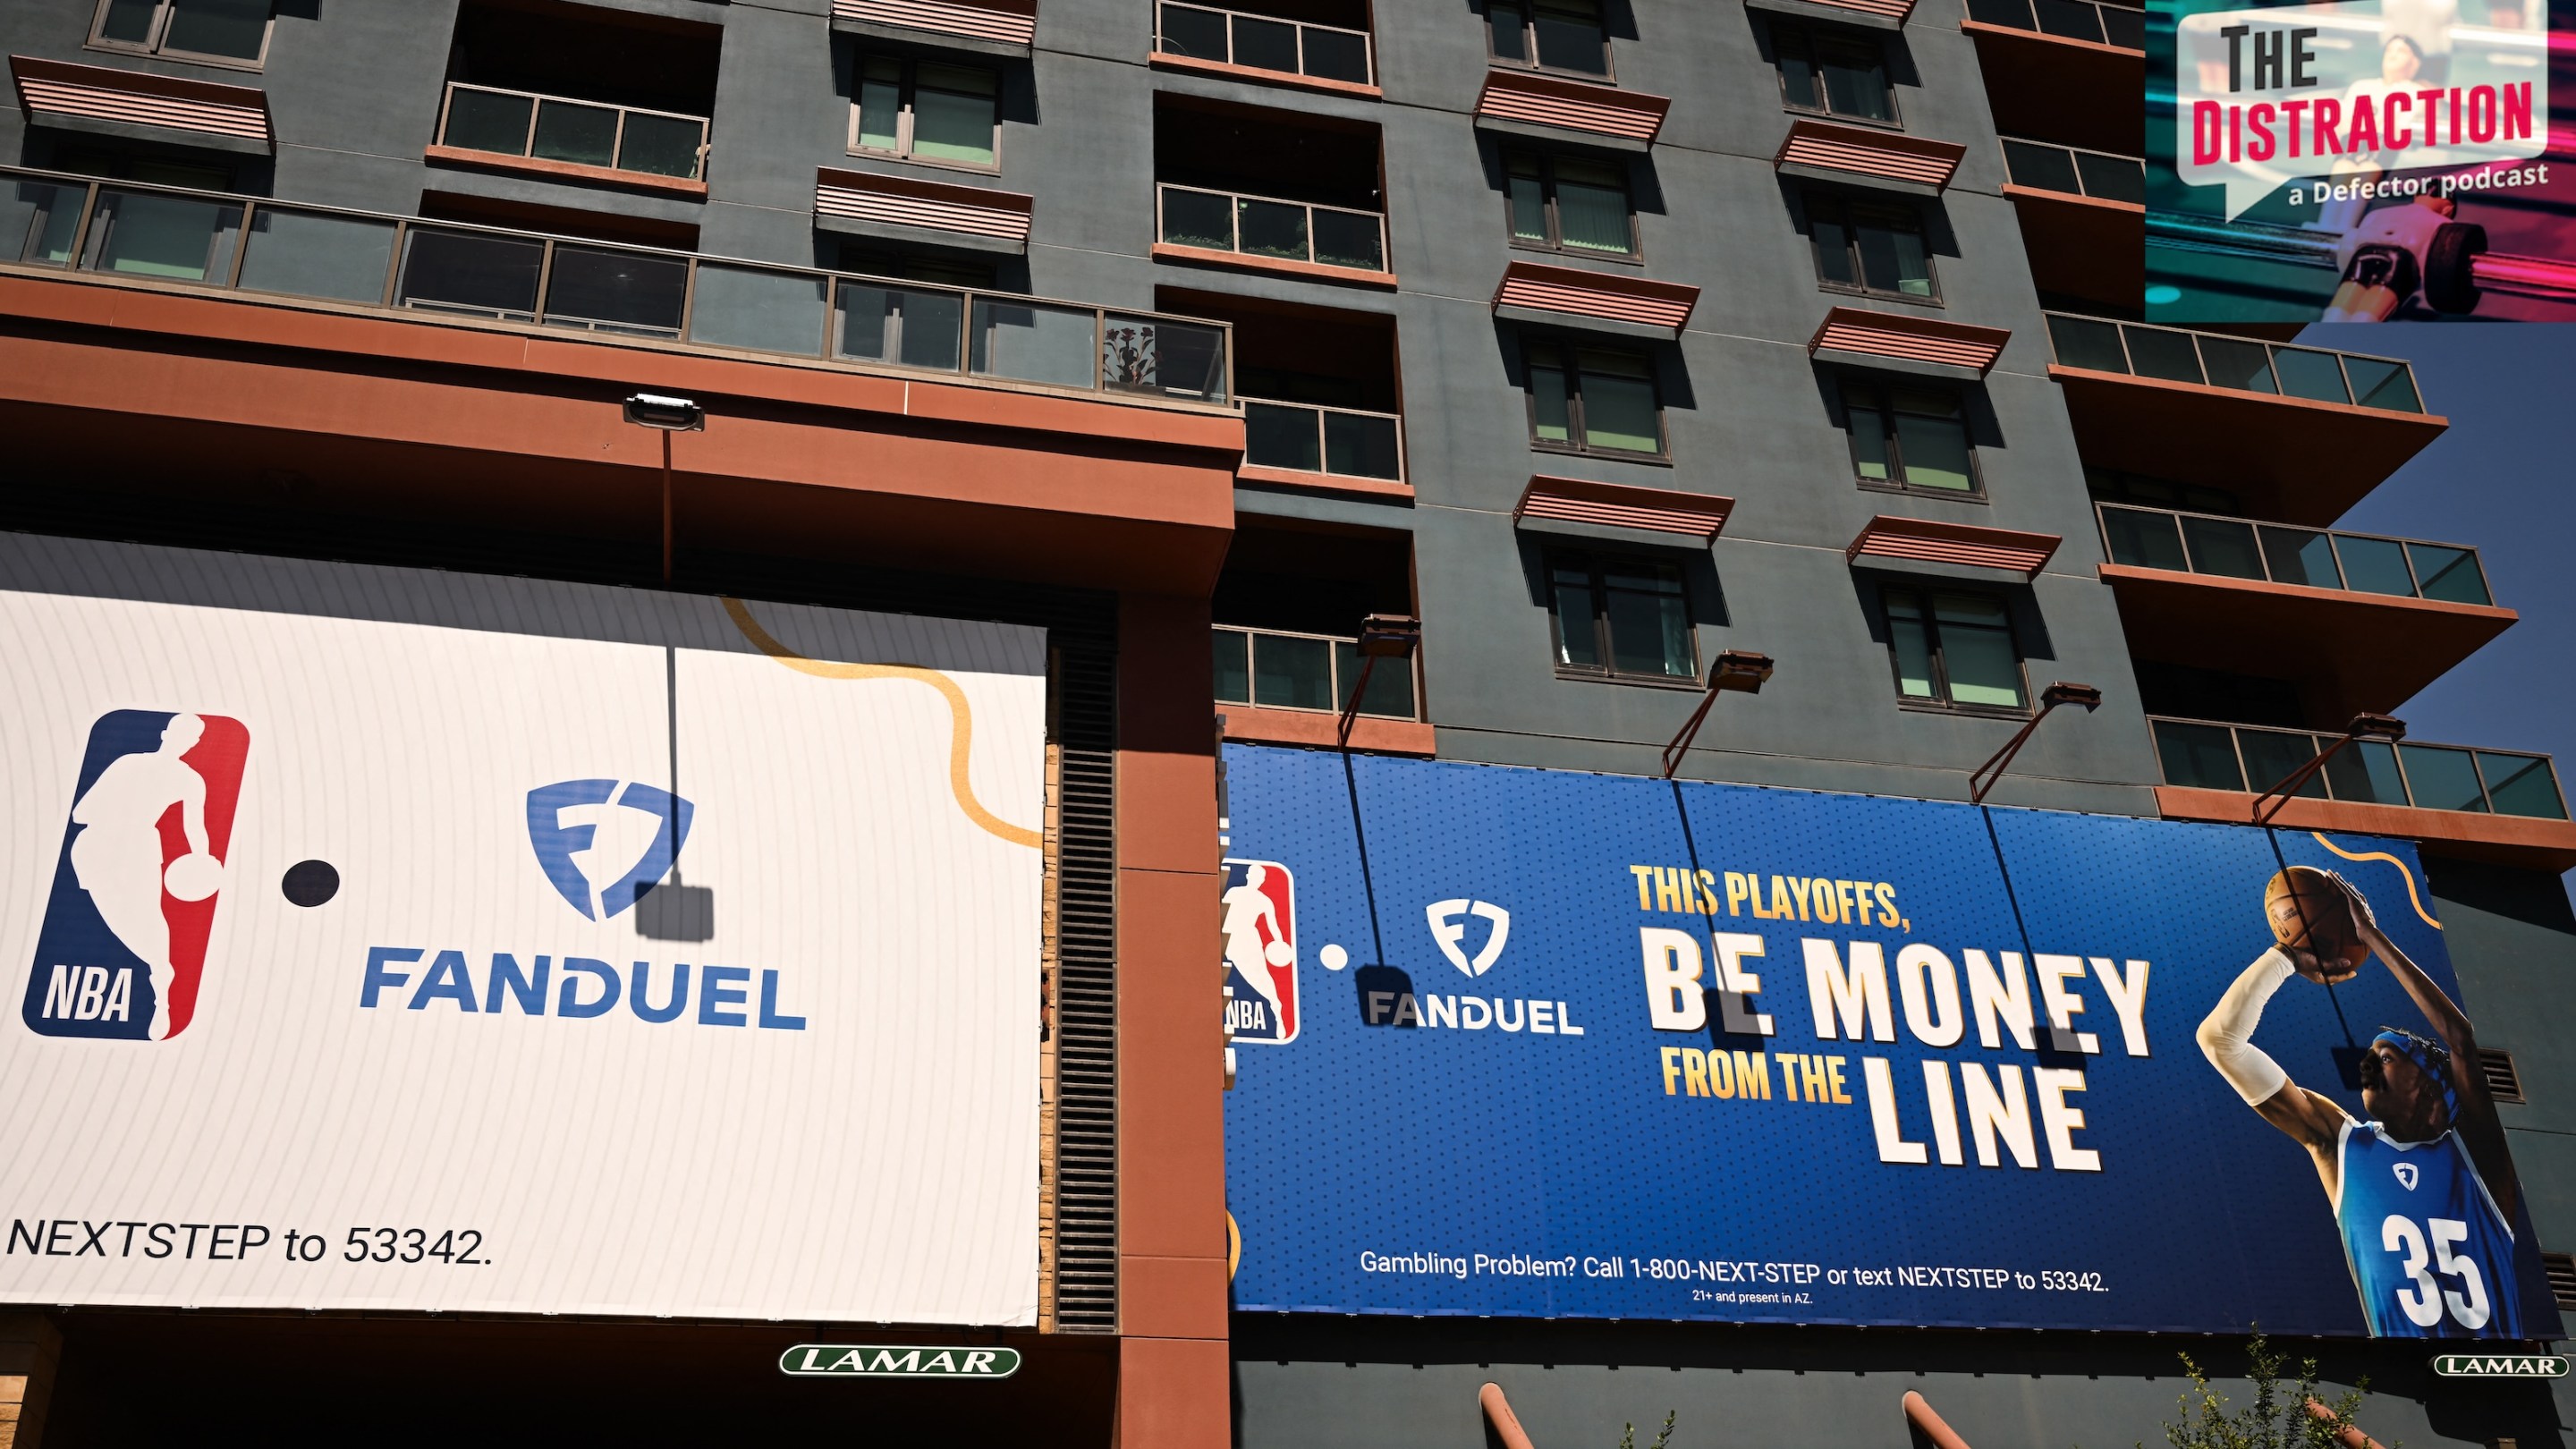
(2423, 1192)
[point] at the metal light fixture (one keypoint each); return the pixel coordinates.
(1983, 778)
(2364, 726)
(1736, 671)
(666, 415)
(1382, 636)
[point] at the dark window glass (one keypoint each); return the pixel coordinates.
(1909, 437)
(1621, 617)
(1557, 34)
(1838, 75)
(928, 110)
(234, 30)
(1954, 649)
(1570, 204)
(1593, 400)
(1869, 247)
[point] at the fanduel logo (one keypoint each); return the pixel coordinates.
(556, 841)
(1449, 931)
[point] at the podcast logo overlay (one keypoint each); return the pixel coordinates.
(123, 947)
(2336, 100)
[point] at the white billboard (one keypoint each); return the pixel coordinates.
(392, 939)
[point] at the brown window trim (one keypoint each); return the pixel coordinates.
(1591, 561)
(1634, 256)
(911, 64)
(1925, 592)
(1886, 407)
(161, 27)
(1810, 32)
(1843, 208)
(1608, 75)
(1572, 348)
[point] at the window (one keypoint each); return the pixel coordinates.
(1592, 400)
(2561, 1268)
(1844, 76)
(1621, 618)
(1871, 247)
(927, 110)
(2504, 1083)
(1564, 204)
(1954, 650)
(1552, 34)
(227, 32)
(1907, 437)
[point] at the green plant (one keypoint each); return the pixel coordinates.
(2279, 1417)
(1628, 1438)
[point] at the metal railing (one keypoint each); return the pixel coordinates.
(1311, 438)
(2237, 548)
(586, 133)
(2119, 25)
(2102, 175)
(1264, 42)
(2240, 364)
(370, 259)
(1264, 226)
(2206, 755)
(1278, 669)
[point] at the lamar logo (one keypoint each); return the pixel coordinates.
(2407, 1176)
(1450, 933)
(867, 1360)
(556, 840)
(123, 946)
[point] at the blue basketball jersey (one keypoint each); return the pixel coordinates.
(2429, 1252)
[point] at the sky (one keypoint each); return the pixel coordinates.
(2500, 480)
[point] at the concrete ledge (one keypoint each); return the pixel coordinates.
(1370, 734)
(2506, 839)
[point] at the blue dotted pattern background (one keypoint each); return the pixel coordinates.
(1401, 1141)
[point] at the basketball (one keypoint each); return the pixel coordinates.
(193, 877)
(1279, 953)
(2312, 919)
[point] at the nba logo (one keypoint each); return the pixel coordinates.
(1260, 905)
(142, 864)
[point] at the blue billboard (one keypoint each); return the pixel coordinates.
(1536, 1043)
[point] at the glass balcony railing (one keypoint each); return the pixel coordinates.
(556, 128)
(2236, 548)
(2075, 171)
(1274, 669)
(1260, 226)
(2239, 364)
(2204, 756)
(1309, 438)
(1263, 42)
(248, 245)
(2118, 25)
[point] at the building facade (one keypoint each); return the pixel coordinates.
(1600, 337)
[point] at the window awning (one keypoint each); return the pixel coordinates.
(871, 204)
(1931, 540)
(1876, 14)
(1858, 156)
(1517, 101)
(1532, 291)
(100, 98)
(1903, 342)
(1623, 505)
(1007, 27)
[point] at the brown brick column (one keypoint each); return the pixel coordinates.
(30, 1349)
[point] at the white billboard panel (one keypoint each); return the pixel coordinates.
(390, 939)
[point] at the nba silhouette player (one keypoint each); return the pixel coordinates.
(117, 855)
(2424, 1191)
(1248, 910)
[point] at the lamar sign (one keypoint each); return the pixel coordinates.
(2500, 1366)
(897, 1361)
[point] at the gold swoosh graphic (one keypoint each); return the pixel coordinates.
(961, 733)
(2392, 860)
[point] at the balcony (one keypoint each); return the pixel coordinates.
(2083, 219)
(2360, 622)
(2301, 432)
(631, 295)
(2051, 64)
(2489, 804)
(557, 134)
(1289, 688)
(1264, 48)
(1223, 226)
(1340, 443)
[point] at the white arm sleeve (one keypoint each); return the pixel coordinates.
(2226, 1038)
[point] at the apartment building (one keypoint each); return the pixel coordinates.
(1451, 381)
